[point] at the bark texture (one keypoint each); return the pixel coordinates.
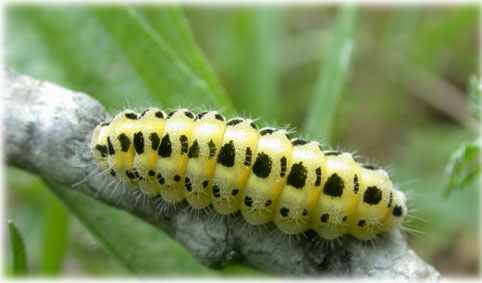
(48, 127)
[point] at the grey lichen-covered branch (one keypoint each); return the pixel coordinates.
(47, 129)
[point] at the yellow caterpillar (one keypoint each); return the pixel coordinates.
(234, 166)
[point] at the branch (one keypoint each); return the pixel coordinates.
(47, 128)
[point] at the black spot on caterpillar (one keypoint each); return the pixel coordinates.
(334, 186)
(297, 176)
(318, 176)
(102, 149)
(372, 195)
(165, 149)
(139, 142)
(266, 131)
(234, 122)
(332, 153)
(284, 211)
(159, 114)
(324, 217)
(131, 115)
(184, 144)
(155, 141)
(194, 150)
(296, 142)
(227, 155)
(283, 166)
(216, 191)
(249, 155)
(262, 165)
(212, 149)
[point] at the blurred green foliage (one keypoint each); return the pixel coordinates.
(268, 60)
(475, 97)
(464, 164)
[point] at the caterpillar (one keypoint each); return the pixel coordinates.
(234, 166)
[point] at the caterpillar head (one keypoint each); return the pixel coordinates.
(98, 145)
(397, 213)
(381, 207)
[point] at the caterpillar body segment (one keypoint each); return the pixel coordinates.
(173, 154)
(294, 206)
(234, 163)
(236, 167)
(119, 143)
(268, 174)
(146, 141)
(339, 197)
(204, 146)
(293, 210)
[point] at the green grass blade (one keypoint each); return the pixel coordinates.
(55, 227)
(261, 78)
(170, 23)
(162, 71)
(18, 250)
(329, 87)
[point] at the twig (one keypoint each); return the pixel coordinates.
(46, 126)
